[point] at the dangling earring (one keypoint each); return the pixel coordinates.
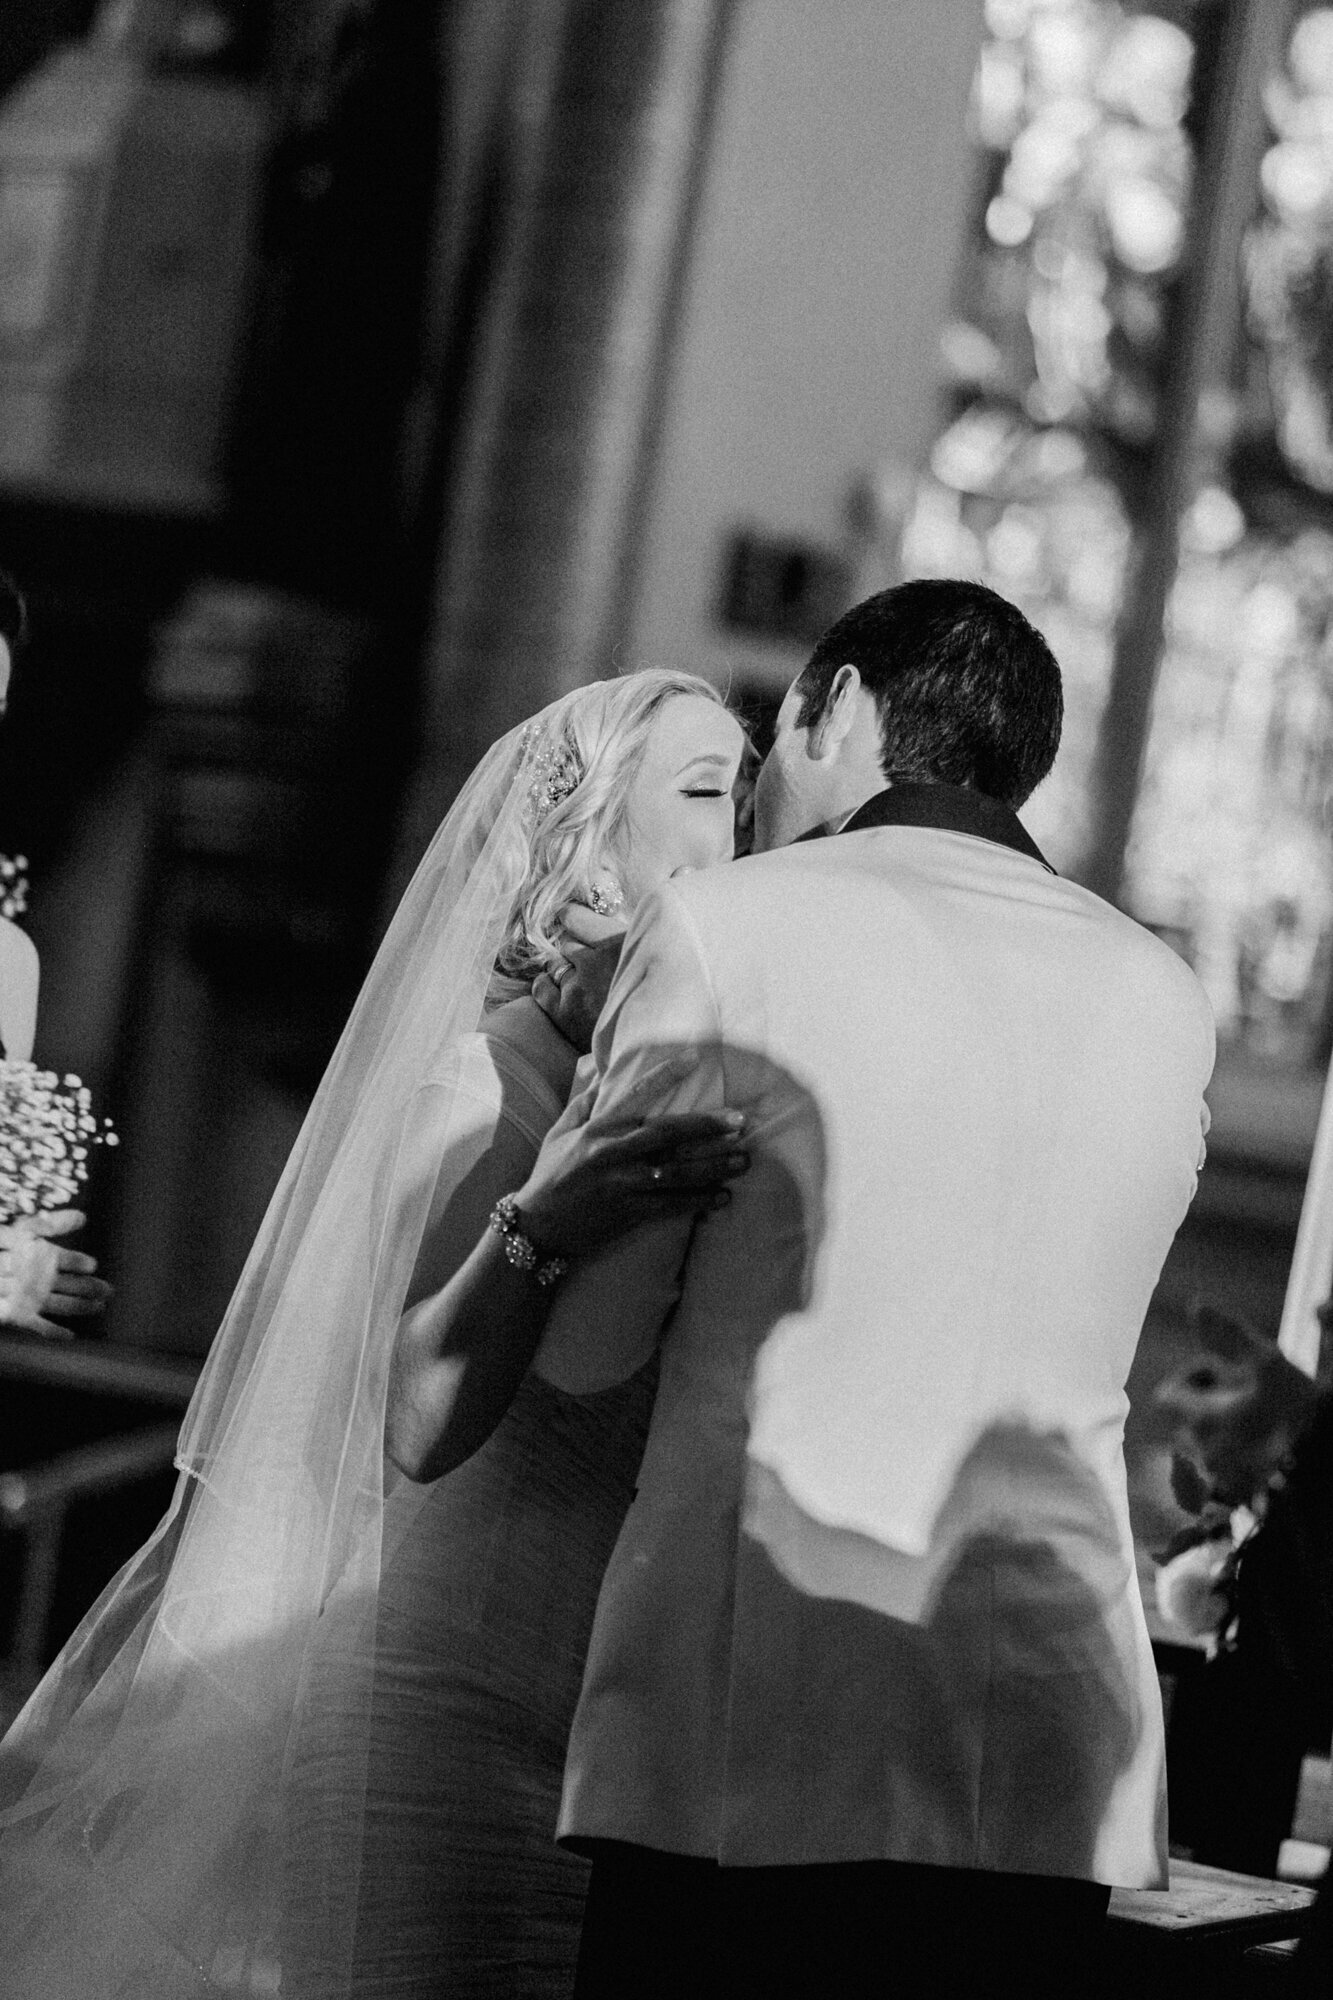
(607, 901)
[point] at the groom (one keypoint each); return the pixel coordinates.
(870, 1706)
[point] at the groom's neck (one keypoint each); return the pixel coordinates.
(835, 821)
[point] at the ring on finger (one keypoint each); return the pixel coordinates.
(657, 1175)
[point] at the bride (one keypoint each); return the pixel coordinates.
(310, 1740)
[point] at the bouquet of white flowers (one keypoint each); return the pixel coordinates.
(13, 885)
(47, 1127)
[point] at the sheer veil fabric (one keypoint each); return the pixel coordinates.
(144, 1787)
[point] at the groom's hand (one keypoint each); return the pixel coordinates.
(603, 1180)
(573, 998)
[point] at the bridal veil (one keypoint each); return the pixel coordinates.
(143, 1787)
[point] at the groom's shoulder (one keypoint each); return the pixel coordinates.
(1144, 962)
(714, 893)
(704, 913)
(751, 874)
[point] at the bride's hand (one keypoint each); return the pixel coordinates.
(574, 996)
(615, 1177)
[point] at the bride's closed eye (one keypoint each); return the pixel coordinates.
(699, 792)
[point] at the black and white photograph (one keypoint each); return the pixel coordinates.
(666, 999)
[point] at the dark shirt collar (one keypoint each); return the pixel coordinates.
(953, 808)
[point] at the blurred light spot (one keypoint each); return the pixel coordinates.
(1146, 226)
(1295, 176)
(1063, 47)
(1271, 618)
(997, 99)
(1008, 18)
(1008, 222)
(971, 454)
(1312, 52)
(1213, 522)
(1043, 158)
(1059, 455)
(969, 354)
(1013, 547)
(1147, 72)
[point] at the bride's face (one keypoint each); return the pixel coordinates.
(680, 813)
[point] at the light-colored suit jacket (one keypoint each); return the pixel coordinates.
(876, 1595)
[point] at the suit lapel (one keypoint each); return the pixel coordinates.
(952, 808)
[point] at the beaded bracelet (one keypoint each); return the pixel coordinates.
(519, 1248)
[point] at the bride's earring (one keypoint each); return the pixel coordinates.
(606, 901)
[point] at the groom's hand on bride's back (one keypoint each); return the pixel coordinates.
(605, 1179)
(573, 999)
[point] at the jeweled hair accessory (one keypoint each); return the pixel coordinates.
(555, 775)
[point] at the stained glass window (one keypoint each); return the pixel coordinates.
(1088, 115)
(1055, 355)
(1230, 850)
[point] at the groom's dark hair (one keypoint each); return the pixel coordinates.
(968, 692)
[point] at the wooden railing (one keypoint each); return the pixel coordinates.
(36, 1502)
(35, 1499)
(140, 1374)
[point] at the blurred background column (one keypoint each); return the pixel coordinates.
(1194, 419)
(580, 228)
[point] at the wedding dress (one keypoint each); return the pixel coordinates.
(486, 1597)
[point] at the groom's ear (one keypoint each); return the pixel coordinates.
(829, 731)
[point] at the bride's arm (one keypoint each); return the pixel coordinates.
(473, 1319)
(471, 1323)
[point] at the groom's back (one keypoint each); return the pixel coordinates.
(882, 1511)
(1002, 1079)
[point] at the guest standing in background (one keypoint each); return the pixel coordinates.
(1260, 1433)
(37, 1280)
(18, 953)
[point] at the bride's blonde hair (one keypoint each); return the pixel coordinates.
(583, 765)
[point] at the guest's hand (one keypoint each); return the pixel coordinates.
(604, 1181)
(575, 995)
(38, 1279)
